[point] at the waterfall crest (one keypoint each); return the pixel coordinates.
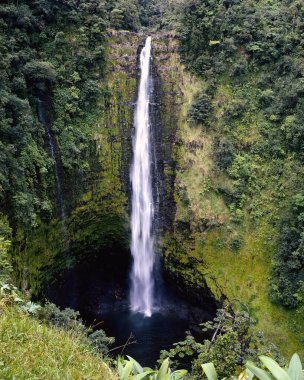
(142, 244)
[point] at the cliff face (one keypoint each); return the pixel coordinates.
(174, 92)
(212, 246)
(97, 221)
(96, 226)
(166, 100)
(208, 250)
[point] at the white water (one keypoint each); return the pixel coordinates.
(142, 245)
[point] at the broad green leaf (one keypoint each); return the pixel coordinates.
(278, 372)
(136, 365)
(120, 368)
(143, 376)
(249, 374)
(127, 370)
(163, 370)
(210, 371)
(243, 375)
(179, 374)
(258, 372)
(295, 370)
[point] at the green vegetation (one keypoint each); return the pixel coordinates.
(292, 372)
(131, 370)
(239, 179)
(273, 370)
(253, 75)
(231, 162)
(124, 14)
(44, 342)
(233, 341)
(52, 52)
(33, 350)
(59, 53)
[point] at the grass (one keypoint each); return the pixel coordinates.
(31, 350)
(244, 275)
(195, 159)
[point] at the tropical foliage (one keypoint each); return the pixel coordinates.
(42, 57)
(271, 370)
(249, 56)
(233, 341)
(130, 369)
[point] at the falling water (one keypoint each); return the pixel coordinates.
(142, 201)
(50, 140)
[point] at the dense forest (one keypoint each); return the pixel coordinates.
(228, 102)
(37, 61)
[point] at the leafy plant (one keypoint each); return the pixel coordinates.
(232, 341)
(130, 369)
(186, 350)
(272, 370)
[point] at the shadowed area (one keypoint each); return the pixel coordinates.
(100, 292)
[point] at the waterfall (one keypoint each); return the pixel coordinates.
(142, 244)
(42, 112)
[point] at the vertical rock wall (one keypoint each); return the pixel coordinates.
(97, 222)
(165, 109)
(97, 227)
(174, 89)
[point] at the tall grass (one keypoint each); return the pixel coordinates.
(31, 350)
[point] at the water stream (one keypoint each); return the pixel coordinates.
(42, 116)
(142, 245)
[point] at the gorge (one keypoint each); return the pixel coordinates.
(151, 178)
(123, 299)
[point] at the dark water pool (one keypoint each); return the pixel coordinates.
(101, 296)
(148, 335)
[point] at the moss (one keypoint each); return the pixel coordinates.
(36, 257)
(97, 222)
(225, 226)
(244, 275)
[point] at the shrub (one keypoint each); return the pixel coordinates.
(224, 152)
(200, 108)
(233, 342)
(40, 71)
